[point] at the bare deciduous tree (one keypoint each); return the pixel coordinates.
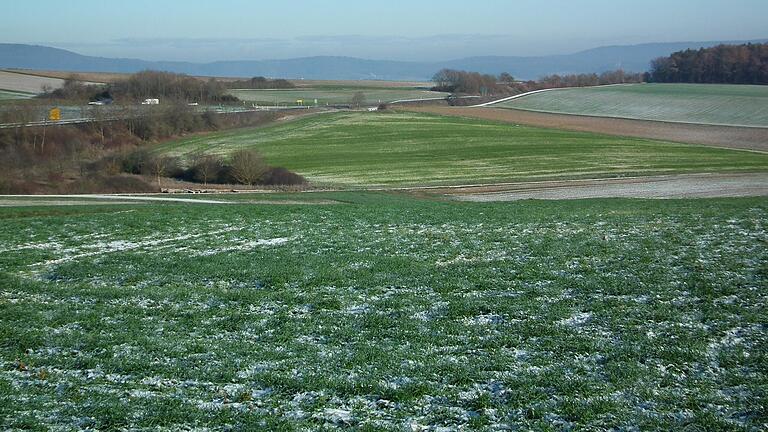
(506, 78)
(358, 99)
(206, 168)
(161, 166)
(248, 167)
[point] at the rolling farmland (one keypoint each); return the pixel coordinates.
(382, 312)
(695, 103)
(406, 149)
(240, 220)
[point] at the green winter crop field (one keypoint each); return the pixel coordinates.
(333, 95)
(697, 103)
(406, 149)
(6, 95)
(382, 312)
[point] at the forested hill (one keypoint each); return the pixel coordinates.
(722, 64)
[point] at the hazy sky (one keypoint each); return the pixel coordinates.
(198, 30)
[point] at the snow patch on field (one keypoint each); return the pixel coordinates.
(245, 246)
(107, 247)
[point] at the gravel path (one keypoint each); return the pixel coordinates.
(679, 186)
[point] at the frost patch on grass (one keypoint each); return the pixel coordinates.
(576, 320)
(604, 314)
(335, 416)
(102, 248)
(245, 246)
(142, 394)
(483, 320)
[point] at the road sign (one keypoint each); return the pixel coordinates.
(299, 101)
(54, 115)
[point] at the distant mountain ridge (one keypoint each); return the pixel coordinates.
(634, 58)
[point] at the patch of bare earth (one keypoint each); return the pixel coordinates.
(676, 186)
(744, 138)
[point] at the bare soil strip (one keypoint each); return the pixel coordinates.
(677, 186)
(733, 137)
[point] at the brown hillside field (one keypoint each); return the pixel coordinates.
(744, 138)
(11, 79)
(26, 83)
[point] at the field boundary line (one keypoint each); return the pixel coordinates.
(522, 95)
(120, 197)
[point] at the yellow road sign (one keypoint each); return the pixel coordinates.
(54, 114)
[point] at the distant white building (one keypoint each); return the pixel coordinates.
(151, 102)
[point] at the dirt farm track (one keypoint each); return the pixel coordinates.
(744, 138)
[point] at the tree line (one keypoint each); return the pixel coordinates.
(173, 87)
(457, 81)
(260, 83)
(243, 167)
(463, 82)
(722, 64)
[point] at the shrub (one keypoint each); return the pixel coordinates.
(160, 167)
(211, 120)
(206, 168)
(110, 184)
(135, 162)
(247, 167)
(280, 176)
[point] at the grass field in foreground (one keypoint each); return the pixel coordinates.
(386, 314)
(333, 95)
(697, 103)
(368, 149)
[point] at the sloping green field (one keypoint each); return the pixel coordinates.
(385, 314)
(332, 95)
(695, 103)
(13, 95)
(369, 149)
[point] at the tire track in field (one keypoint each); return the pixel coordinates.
(124, 245)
